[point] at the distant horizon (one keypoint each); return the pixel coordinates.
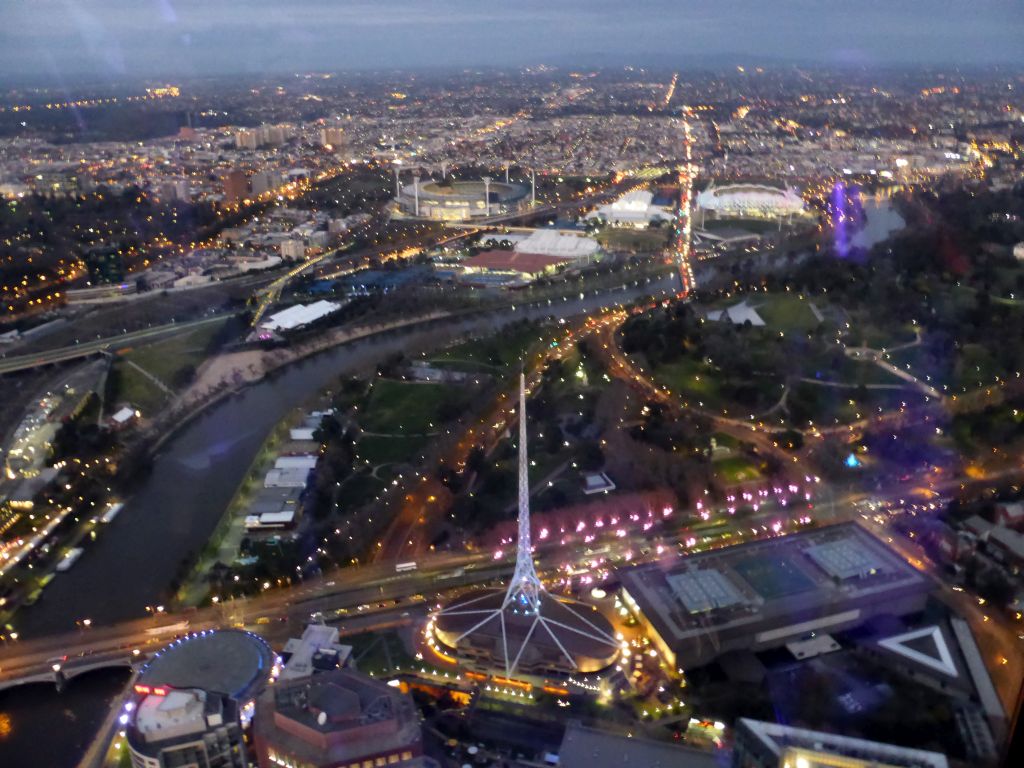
(684, 69)
(63, 41)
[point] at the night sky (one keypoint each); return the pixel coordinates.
(65, 39)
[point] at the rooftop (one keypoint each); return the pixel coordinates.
(584, 747)
(783, 576)
(815, 747)
(335, 717)
(228, 661)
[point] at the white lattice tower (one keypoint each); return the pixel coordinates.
(525, 588)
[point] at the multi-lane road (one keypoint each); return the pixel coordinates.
(99, 346)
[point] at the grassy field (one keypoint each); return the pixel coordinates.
(736, 469)
(495, 354)
(787, 312)
(756, 226)
(634, 240)
(690, 380)
(400, 407)
(388, 450)
(169, 360)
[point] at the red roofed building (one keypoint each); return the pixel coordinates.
(529, 265)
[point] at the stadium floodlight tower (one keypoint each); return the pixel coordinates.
(526, 614)
(487, 195)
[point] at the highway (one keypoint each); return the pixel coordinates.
(106, 344)
(282, 612)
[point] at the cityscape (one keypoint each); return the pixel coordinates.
(438, 385)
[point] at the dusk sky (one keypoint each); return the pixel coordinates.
(63, 39)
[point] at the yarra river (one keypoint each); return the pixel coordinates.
(177, 508)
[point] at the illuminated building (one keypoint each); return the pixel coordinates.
(770, 593)
(189, 727)
(750, 200)
(332, 137)
(336, 719)
(523, 628)
(193, 699)
(460, 200)
(769, 745)
(236, 187)
(634, 209)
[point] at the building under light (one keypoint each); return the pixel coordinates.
(191, 702)
(337, 719)
(785, 591)
(759, 744)
(523, 628)
(461, 200)
(750, 201)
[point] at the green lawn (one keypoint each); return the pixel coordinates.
(136, 389)
(690, 380)
(755, 226)
(166, 357)
(634, 240)
(357, 490)
(786, 312)
(388, 450)
(379, 653)
(401, 407)
(169, 360)
(736, 469)
(497, 353)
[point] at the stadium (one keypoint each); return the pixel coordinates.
(461, 200)
(785, 591)
(750, 201)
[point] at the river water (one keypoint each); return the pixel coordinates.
(40, 727)
(175, 512)
(198, 470)
(882, 220)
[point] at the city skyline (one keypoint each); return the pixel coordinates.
(63, 40)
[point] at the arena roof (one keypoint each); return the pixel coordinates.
(737, 198)
(228, 661)
(551, 242)
(299, 315)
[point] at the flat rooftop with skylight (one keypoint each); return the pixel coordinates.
(765, 594)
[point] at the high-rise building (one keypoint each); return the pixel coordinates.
(293, 249)
(247, 139)
(265, 181)
(337, 719)
(236, 187)
(175, 189)
(276, 134)
(332, 137)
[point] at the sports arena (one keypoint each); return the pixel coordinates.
(461, 200)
